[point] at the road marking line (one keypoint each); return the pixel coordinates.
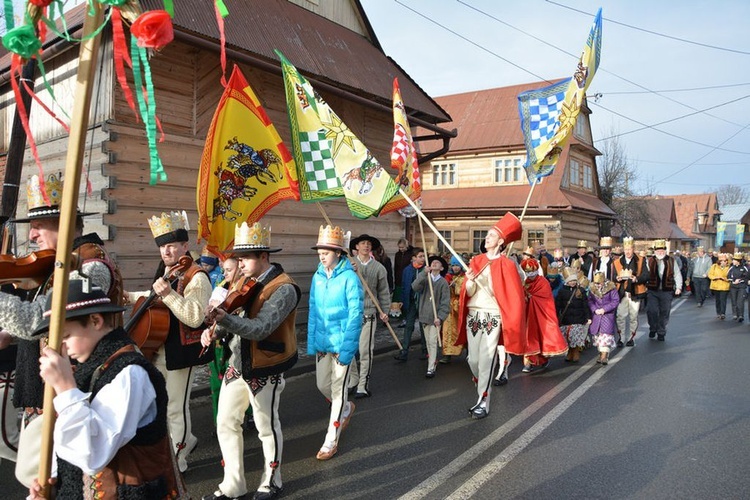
(423, 489)
(490, 470)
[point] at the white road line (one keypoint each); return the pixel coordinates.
(427, 486)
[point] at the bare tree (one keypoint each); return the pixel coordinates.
(731, 194)
(617, 176)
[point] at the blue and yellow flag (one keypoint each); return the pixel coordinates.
(245, 169)
(721, 228)
(739, 235)
(331, 161)
(548, 115)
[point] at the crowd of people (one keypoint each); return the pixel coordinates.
(124, 428)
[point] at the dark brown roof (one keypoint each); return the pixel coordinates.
(663, 221)
(318, 47)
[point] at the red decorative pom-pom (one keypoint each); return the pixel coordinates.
(153, 29)
(336, 424)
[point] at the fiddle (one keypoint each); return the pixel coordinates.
(148, 326)
(27, 272)
(232, 303)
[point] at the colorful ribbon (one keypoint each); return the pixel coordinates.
(147, 105)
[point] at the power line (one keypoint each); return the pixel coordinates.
(473, 43)
(705, 155)
(656, 33)
(713, 87)
(602, 69)
(713, 148)
(673, 119)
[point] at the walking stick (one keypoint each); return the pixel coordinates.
(76, 147)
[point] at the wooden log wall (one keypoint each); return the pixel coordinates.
(187, 92)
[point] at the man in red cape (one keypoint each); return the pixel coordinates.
(491, 309)
(543, 336)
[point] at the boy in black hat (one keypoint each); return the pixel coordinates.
(432, 325)
(110, 435)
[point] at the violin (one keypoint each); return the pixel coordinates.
(232, 303)
(148, 326)
(27, 272)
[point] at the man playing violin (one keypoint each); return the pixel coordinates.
(185, 293)
(21, 317)
(262, 340)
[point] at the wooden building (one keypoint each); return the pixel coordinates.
(331, 43)
(482, 177)
(697, 216)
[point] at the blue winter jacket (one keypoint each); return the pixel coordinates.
(336, 310)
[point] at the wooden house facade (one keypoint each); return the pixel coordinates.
(331, 43)
(482, 177)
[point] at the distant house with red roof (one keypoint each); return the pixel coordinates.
(697, 215)
(481, 177)
(663, 225)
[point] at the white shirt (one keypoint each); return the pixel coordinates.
(89, 434)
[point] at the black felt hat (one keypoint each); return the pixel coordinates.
(83, 299)
(442, 261)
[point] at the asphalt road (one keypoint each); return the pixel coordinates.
(662, 420)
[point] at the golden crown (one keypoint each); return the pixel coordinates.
(252, 237)
(54, 188)
(599, 278)
(625, 273)
(333, 237)
(582, 244)
(529, 251)
(569, 274)
(660, 244)
(605, 242)
(627, 242)
(168, 223)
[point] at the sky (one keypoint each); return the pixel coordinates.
(661, 62)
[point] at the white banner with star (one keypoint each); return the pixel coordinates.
(331, 161)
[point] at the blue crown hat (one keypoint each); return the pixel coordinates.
(83, 299)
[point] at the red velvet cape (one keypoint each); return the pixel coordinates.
(543, 333)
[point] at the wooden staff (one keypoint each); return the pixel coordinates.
(66, 231)
(364, 285)
(523, 212)
(429, 283)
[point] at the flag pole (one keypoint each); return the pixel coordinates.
(68, 212)
(523, 212)
(364, 284)
(429, 283)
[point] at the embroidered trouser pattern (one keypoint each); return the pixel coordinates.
(483, 333)
(263, 394)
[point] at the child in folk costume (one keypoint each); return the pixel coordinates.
(450, 328)
(573, 311)
(110, 436)
(431, 325)
(333, 329)
(543, 335)
(603, 302)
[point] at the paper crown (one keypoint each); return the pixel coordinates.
(738, 256)
(627, 242)
(37, 207)
(599, 278)
(605, 242)
(529, 264)
(333, 238)
(255, 238)
(625, 273)
(617, 250)
(582, 244)
(509, 228)
(569, 274)
(557, 253)
(660, 244)
(169, 227)
(529, 251)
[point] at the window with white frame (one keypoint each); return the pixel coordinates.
(534, 237)
(444, 174)
(509, 171)
(587, 177)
